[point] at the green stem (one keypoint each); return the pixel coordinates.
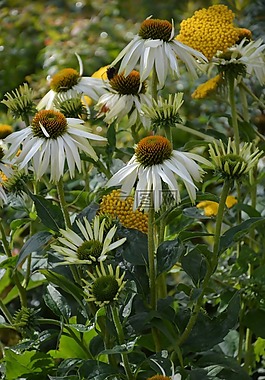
(21, 289)
(195, 132)
(60, 190)
(231, 85)
(121, 340)
(241, 334)
(151, 257)
(244, 102)
(260, 103)
(4, 240)
(154, 84)
(6, 312)
(211, 266)
(219, 218)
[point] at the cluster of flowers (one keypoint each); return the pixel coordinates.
(52, 141)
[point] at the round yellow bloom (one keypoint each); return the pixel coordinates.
(210, 30)
(230, 201)
(207, 88)
(113, 205)
(5, 130)
(210, 208)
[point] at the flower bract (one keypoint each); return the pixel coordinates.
(89, 247)
(106, 285)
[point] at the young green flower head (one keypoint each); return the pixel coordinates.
(91, 246)
(106, 285)
(230, 164)
(164, 112)
(20, 101)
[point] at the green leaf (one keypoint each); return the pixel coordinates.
(57, 303)
(236, 233)
(135, 249)
(51, 215)
(230, 368)
(168, 253)
(254, 320)
(194, 264)
(65, 284)
(96, 370)
(208, 332)
(70, 347)
(34, 244)
(27, 362)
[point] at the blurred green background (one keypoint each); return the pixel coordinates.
(40, 37)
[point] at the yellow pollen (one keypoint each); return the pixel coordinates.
(210, 30)
(129, 85)
(3, 177)
(113, 205)
(153, 150)
(159, 377)
(5, 130)
(207, 88)
(64, 80)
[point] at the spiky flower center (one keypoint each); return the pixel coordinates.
(105, 288)
(159, 377)
(129, 85)
(153, 150)
(233, 164)
(54, 123)
(64, 80)
(89, 249)
(155, 29)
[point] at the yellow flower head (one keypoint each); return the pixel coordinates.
(210, 30)
(5, 130)
(113, 205)
(210, 208)
(207, 88)
(100, 74)
(230, 201)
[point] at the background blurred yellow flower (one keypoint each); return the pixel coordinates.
(210, 208)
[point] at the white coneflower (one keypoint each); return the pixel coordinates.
(69, 82)
(106, 285)
(125, 97)
(154, 163)
(156, 48)
(49, 142)
(92, 247)
(245, 58)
